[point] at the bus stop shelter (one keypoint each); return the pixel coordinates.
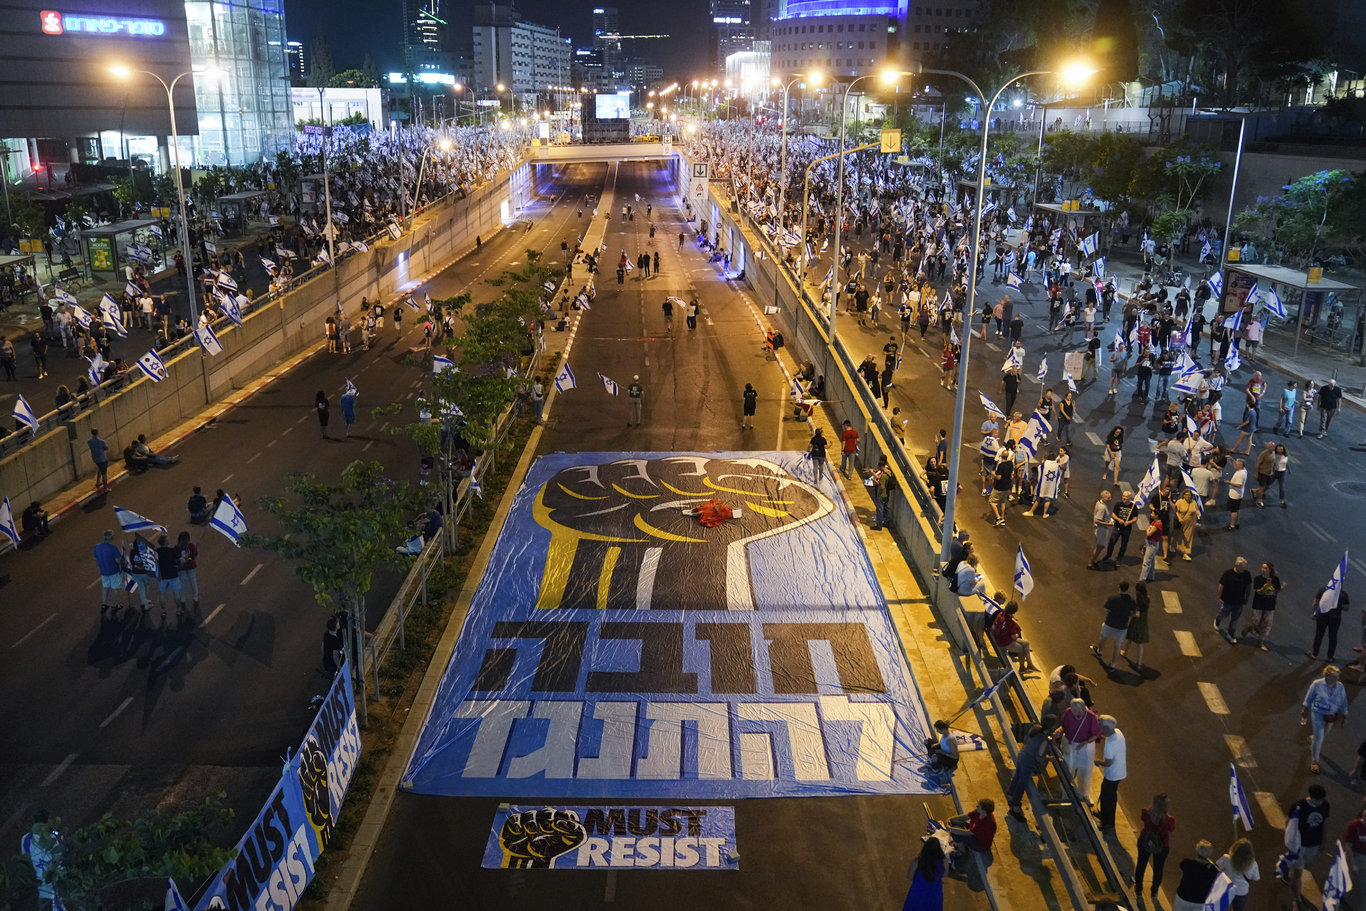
(104, 245)
(236, 209)
(1325, 312)
(17, 261)
(1085, 221)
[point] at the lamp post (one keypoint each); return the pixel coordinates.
(330, 230)
(960, 399)
(815, 79)
(124, 72)
(889, 77)
(445, 144)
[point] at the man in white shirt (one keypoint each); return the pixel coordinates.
(1114, 764)
(1236, 482)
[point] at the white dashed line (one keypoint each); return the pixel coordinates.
(302, 419)
(253, 458)
(1171, 601)
(367, 445)
(252, 574)
(1237, 746)
(1271, 809)
(93, 584)
(227, 479)
(31, 633)
(114, 714)
(1318, 532)
(1186, 640)
(1361, 567)
(214, 613)
(286, 431)
(57, 772)
(1214, 700)
(271, 443)
(1093, 437)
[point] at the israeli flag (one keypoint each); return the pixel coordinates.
(23, 413)
(1199, 501)
(1013, 280)
(1024, 579)
(1089, 245)
(1272, 301)
(351, 389)
(1233, 361)
(268, 265)
(230, 308)
(1188, 383)
(475, 487)
(174, 902)
(1242, 810)
(131, 521)
(798, 393)
(324, 257)
(1236, 322)
(1034, 435)
(228, 520)
(152, 365)
(112, 320)
(610, 385)
(1010, 213)
(155, 230)
(1043, 370)
(64, 296)
(427, 299)
(208, 340)
(96, 371)
(412, 304)
(1072, 385)
(790, 238)
(132, 290)
(991, 406)
(991, 690)
(107, 304)
(1014, 358)
(210, 247)
(360, 246)
(1205, 251)
(1220, 896)
(441, 364)
(549, 287)
(1339, 881)
(1100, 267)
(79, 314)
(1329, 599)
(1216, 283)
(1149, 483)
(564, 379)
(584, 303)
(953, 336)
(1190, 425)
(7, 522)
(394, 230)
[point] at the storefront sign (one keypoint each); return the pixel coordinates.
(57, 23)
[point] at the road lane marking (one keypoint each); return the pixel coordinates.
(302, 419)
(253, 458)
(1241, 754)
(1093, 437)
(1186, 640)
(33, 631)
(114, 714)
(1318, 532)
(367, 445)
(252, 574)
(1361, 567)
(57, 772)
(1271, 809)
(214, 613)
(271, 443)
(93, 584)
(1125, 487)
(286, 431)
(1171, 601)
(1213, 698)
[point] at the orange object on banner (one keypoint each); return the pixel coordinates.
(713, 513)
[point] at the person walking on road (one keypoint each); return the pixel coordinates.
(634, 394)
(1154, 842)
(692, 314)
(323, 410)
(816, 450)
(1325, 704)
(99, 454)
(1240, 866)
(668, 315)
(1198, 874)
(168, 575)
(1119, 610)
(1265, 589)
(1102, 524)
(189, 569)
(109, 560)
(348, 410)
(1329, 399)
(750, 403)
(398, 320)
(1327, 619)
(1307, 828)
(1233, 496)
(1234, 587)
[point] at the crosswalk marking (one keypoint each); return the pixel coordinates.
(1237, 746)
(1171, 601)
(1214, 700)
(1271, 809)
(1189, 647)
(1318, 532)
(1093, 437)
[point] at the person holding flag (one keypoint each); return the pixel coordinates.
(1198, 877)
(1330, 603)
(1240, 866)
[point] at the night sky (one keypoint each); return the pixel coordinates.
(374, 27)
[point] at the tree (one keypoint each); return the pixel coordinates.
(1176, 181)
(1103, 163)
(124, 863)
(1114, 41)
(1317, 214)
(339, 535)
(320, 66)
(353, 78)
(28, 216)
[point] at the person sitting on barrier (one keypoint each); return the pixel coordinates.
(975, 830)
(943, 749)
(144, 453)
(1005, 633)
(198, 506)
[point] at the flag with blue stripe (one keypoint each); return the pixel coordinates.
(351, 389)
(1089, 245)
(79, 314)
(1236, 321)
(1035, 433)
(1190, 485)
(96, 370)
(210, 247)
(174, 902)
(1013, 280)
(360, 246)
(7, 522)
(131, 521)
(153, 366)
(64, 296)
(610, 385)
(1333, 590)
(475, 487)
(394, 230)
(155, 230)
(1188, 383)
(23, 413)
(208, 340)
(1043, 370)
(1220, 897)
(1272, 301)
(1216, 283)
(1100, 267)
(564, 379)
(412, 304)
(441, 364)
(268, 265)
(1014, 358)
(1071, 384)
(991, 690)
(427, 300)
(132, 290)
(1024, 579)
(1242, 810)
(1205, 251)
(584, 303)
(224, 280)
(231, 310)
(991, 406)
(1233, 361)
(229, 521)
(1339, 881)
(1149, 484)
(1010, 213)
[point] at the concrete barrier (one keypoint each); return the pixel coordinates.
(274, 330)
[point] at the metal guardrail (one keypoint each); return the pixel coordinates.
(1054, 797)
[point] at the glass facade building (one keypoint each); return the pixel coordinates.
(247, 113)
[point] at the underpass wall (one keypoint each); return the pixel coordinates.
(274, 331)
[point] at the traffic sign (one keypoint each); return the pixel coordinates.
(891, 141)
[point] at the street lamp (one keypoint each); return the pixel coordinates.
(445, 145)
(1072, 73)
(889, 77)
(124, 72)
(815, 79)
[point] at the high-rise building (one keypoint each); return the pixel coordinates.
(852, 37)
(525, 57)
(294, 57)
(424, 37)
(607, 41)
(732, 29)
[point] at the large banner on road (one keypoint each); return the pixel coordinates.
(612, 838)
(692, 625)
(276, 858)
